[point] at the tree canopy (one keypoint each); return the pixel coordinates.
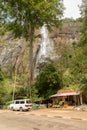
(48, 81)
(84, 22)
(24, 15)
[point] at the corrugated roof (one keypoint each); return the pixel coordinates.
(71, 93)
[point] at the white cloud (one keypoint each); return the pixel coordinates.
(72, 9)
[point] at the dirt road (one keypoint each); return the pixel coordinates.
(13, 120)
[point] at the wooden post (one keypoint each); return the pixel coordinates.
(81, 102)
(74, 100)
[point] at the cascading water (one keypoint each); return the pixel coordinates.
(46, 51)
(44, 35)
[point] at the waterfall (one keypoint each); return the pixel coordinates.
(44, 34)
(46, 50)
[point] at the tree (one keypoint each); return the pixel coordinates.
(84, 21)
(83, 43)
(79, 65)
(48, 81)
(24, 16)
(5, 88)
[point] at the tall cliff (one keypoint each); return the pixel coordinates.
(14, 53)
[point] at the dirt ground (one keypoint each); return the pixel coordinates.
(43, 119)
(63, 113)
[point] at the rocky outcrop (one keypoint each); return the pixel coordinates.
(69, 33)
(15, 53)
(12, 53)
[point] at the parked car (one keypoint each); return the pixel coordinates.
(35, 106)
(21, 105)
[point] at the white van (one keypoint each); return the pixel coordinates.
(21, 104)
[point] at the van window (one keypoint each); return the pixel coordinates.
(16, 102)
(22, 102)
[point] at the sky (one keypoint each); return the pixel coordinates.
(72, 9)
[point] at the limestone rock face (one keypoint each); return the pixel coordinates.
(14, 53)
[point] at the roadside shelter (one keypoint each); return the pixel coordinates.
(70, 96)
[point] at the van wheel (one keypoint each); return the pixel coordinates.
(12, 109)
(21, 109)
(29, 109)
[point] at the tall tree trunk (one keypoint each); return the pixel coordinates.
(31, 65)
